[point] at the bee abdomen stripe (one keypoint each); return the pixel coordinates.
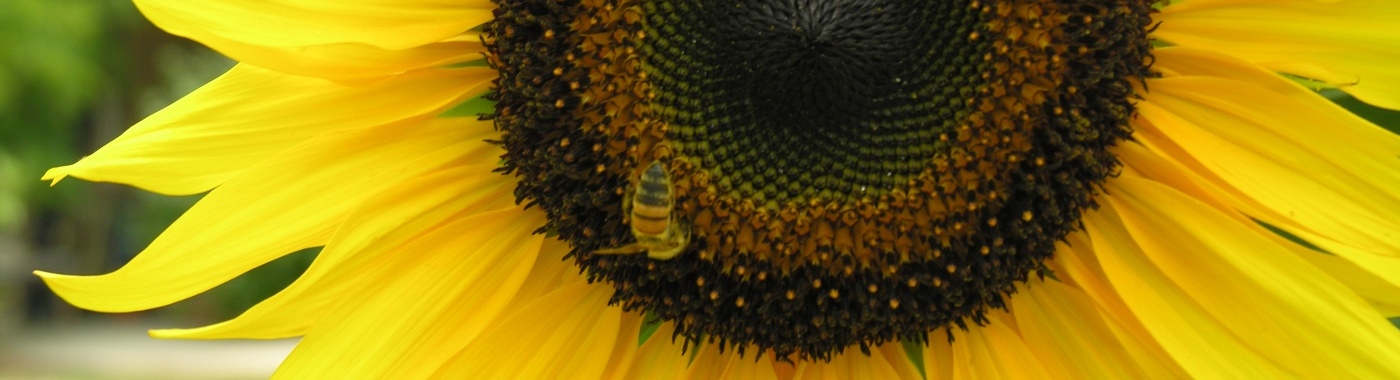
(654, 187)
(655, 200)
(651, 212)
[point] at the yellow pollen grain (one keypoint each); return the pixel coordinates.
(740, 270)
(912, 283)
(1026, 216)
(739, 302)
(894, 304)
(952, 268)
(700, 281)
(986, 250)
(714, 295)
(791, 295)
(992, 222)
(817, 284)
(559, 103)
(872, 288)
(937, 282)
(833, 294)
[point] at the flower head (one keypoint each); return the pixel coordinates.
(783, 188)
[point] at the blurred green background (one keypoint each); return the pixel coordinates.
(73, 75)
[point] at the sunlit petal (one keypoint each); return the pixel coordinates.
(291, 202)
(231, 124)
(1166, 253)
(1352, 44)
(374, 234)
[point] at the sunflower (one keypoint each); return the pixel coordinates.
(782, 189)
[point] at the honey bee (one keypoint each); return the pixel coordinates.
(649, 205)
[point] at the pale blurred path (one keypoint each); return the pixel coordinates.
(125, 352)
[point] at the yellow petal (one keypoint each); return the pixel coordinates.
(568, 334)
(250, 114)
(1374, 277)
(1383, 295)
(1354, 44)
(370, 237)
(388, 24)
(938, 356)
(1320, 169)
(886, 362)
(993, 351)
(660, 357)
(340, 61)
(287, 203)
(426, 303)
(1060, 323)
(710, 363)
(1225, 301)
(1080, 265)
(550, 273)
(625, 350)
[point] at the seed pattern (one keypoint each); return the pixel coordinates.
(852, 171)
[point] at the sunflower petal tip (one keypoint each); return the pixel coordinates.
(48, 277)
(56, 174)
(168, 333)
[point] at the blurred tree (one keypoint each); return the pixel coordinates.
(55, 64)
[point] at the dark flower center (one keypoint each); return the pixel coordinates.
(840, 173)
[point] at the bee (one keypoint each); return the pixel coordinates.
(650, 205)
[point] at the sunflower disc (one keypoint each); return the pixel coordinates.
(848, 172)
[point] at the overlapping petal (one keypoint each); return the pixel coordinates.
(374, 234)
(355, 39)
(232, 123)
(1077, 262)
(1226, 301)
(1353, 44)
(287, 203)
(885, 362)
(710, 363)
(660, 357)
(389, 24)
(990, 351)
(1059, 323)
(487, 256)
(568, 333)
(1281, 153)
(1374, 277)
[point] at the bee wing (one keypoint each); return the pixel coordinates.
(623, 250)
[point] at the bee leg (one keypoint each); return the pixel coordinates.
(623, 250)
